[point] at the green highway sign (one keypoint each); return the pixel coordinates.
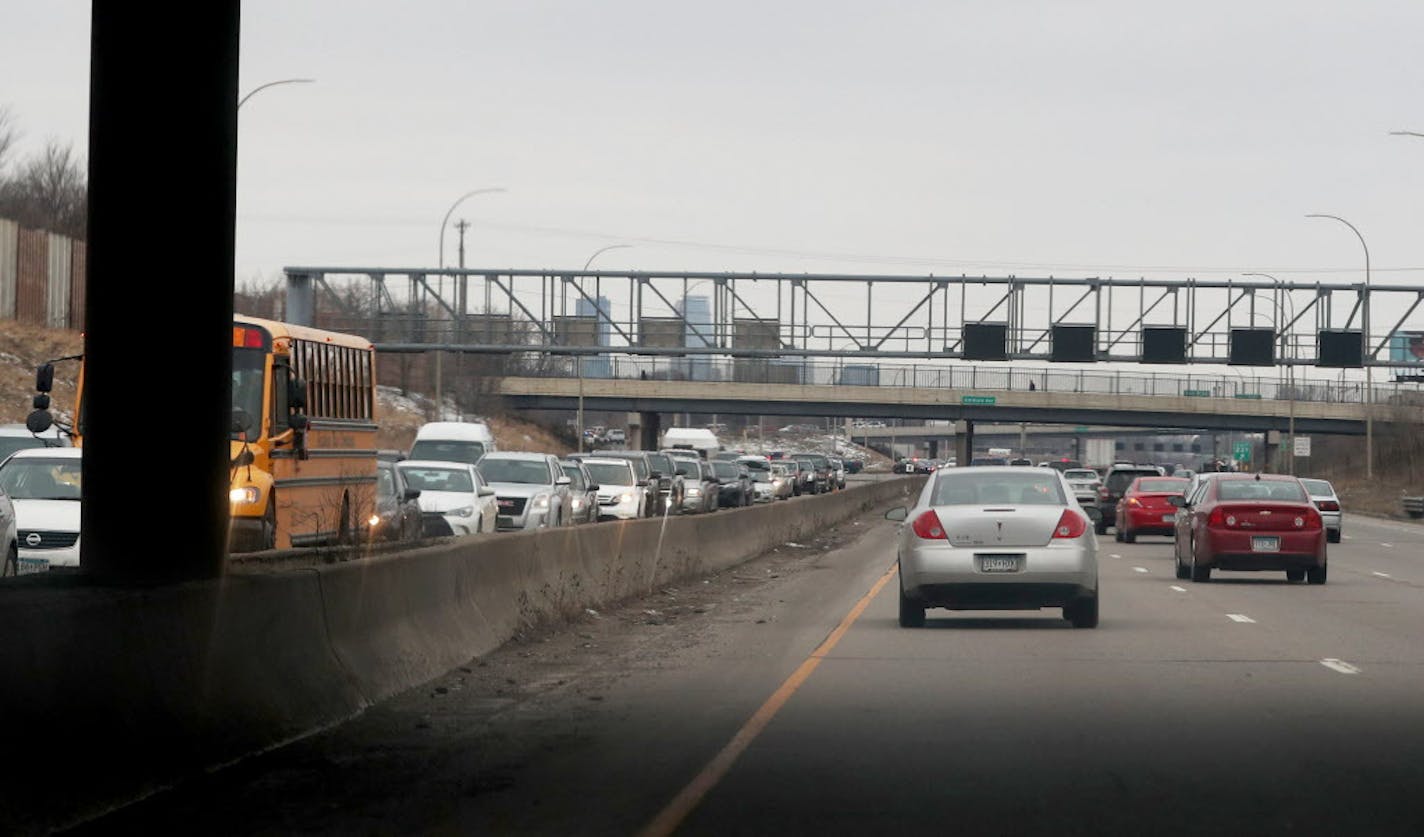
(977, 400)
(1241, 451)
(1252, 395)
(1197, 393)
(1080, 429)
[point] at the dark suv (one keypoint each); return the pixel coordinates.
(1118, 478)
(820, 466)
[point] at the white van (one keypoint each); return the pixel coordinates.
(452, 441)
(700, 439)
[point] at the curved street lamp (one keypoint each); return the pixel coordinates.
(446, 220)
(262, 87)
(578, 362)
(1290, 367)
(1369, 378)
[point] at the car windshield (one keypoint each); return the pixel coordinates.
(962, 489)
(575, 477)
(725, 470)
(41, 479)
(385, 483)
(527, 471)
(10, 444)
(447, 450)
(611, 473)
(438, 479)
(640, 466)
(661, 462)
(1118, 481)
(1246, 489)
(756, 464)
(1081, 474)
(1319, 488)
(1162, 485)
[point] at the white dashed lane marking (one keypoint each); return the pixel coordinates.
(1339, 665)
(1139, 569)
(1114, 555)
(1179, 589)
(1382, 575)
(1240, 617)
(1388, 545)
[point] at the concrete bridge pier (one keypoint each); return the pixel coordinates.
(964, 442)
(934, 448)
(649, 431)
(1272, 446)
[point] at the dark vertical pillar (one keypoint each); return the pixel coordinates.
(934, 448)
(158, 357)
(651, 431)
(963, 442)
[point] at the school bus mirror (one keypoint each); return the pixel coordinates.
(44, 377)
(296, 394)
(241, 421)
(41, 402)
(39, 421)
(297, 422)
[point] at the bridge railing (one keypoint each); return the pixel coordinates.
(964, 376)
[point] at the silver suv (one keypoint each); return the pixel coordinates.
(531, 489)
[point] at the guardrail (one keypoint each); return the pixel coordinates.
(1413, 506)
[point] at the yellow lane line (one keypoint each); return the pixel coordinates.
(667, 821)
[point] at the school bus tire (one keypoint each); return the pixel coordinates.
(269, 523)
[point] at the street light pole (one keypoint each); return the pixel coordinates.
(1290, 367)
(578, 359)
(440, 354)
(254, 90)
(1369, 378)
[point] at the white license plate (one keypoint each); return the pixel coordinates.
(999, 563)
(1169, 518)
(32, 565)
(1265, 544)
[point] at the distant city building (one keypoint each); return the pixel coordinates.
(697, 312)
(597, 367)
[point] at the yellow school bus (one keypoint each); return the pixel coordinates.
(303, 437)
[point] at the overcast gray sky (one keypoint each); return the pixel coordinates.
(1102, 137)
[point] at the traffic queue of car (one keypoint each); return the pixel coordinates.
(454, 481)
(1024, 537)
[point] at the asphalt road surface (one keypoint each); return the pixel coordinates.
(782, 698)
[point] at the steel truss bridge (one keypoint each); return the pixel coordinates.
(1260, 322)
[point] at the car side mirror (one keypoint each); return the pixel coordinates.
(486, 491)
(681, 472)
(594, 487)
(563, 481)
(1178, 501)
(897, 513)
(412, 494)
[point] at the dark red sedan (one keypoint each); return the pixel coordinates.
(1145, 507)
(1250, 522)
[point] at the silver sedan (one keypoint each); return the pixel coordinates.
(997, 538)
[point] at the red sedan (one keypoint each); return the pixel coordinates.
(1146, 508)
(1251, 522)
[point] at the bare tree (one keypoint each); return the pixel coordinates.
(48, 191)
(9, 135)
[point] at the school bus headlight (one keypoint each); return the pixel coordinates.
(242, 496)
(373, 521)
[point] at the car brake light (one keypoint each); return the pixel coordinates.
(1070, 525)
(1329, 505)
(1133, 501)
(1216, 518)
(927, 527)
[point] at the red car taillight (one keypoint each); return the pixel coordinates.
(1309, 519)
(928, 527)
(1070, 525)
(1328, 505)
(1103, 493)
(1218, 518)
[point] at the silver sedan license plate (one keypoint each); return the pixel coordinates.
(999, 563)
(1267, 544)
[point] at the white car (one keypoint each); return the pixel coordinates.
(997, 538)
(783, 478)
(43, 487)
(1323, 495)
(453, 491)
(620, 497)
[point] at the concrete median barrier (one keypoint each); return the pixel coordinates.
(111, 694)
